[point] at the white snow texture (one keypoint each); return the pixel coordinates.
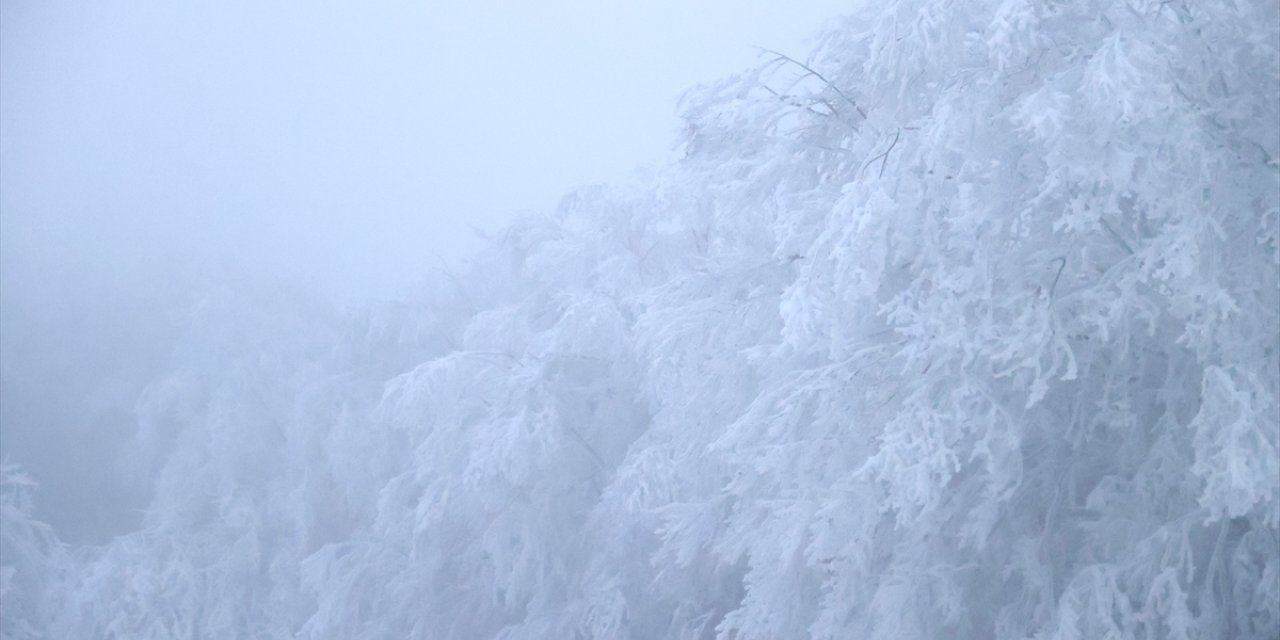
(964, 326)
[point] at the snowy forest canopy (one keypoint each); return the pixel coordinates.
(963, 326)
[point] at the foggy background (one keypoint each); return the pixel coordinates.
(149, 148)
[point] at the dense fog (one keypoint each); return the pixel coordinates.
(950, 320)
(151, 152)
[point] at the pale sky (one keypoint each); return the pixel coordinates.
(348, 145)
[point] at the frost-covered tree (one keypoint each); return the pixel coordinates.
(1038, 312)
(34, 565)
(965, 326)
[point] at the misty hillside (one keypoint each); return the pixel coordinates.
(965, 325)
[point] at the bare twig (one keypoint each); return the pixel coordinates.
(1115, 236)
(585, 445)
(811, 71)
(1062, 264)
(884, 157)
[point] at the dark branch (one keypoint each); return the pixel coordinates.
(782, 57)
(884, 157)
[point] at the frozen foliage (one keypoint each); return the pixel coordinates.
(33, 564)
(964, 327)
